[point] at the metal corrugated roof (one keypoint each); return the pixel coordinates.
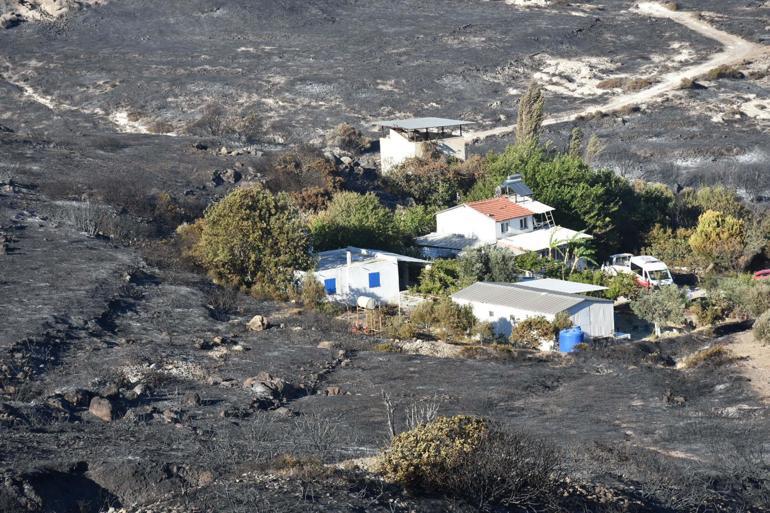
(521, 298)
(422, 123)
(446, 241)
(554, 285)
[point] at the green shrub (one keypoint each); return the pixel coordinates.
(710, 310)
(484, 331)
(252, 239)
(670, 246)
(470, 459)
(530, 332)
(561, 321)
(762, 328)
(442, 277)
(743, 296)
(451, 319)
(414, 221)
(487, 264)
(312, 292)
(353, 219)
(400, 328)
(623, 284)
(423, 315)
(423, 457)
(662, 306)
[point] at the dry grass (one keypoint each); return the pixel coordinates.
(712, 356)
(687, 83)
(671, 6)
(724, 71)
(627, 84)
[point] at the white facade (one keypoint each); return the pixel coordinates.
(395, 148)
(350, 273)
(595, 318)
(469, 222)
(352, 281)
(504, 305)
(463, 220)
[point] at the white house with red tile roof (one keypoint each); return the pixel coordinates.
(513, 220)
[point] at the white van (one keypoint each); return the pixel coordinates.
(649, 271)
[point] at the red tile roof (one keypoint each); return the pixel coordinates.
(501, 209)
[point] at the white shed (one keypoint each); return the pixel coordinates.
(349, 273)
(505, 304)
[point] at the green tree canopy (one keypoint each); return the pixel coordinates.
(254, 239)
(353, 219)
(662, 306)
(718, 240)
(487, 264)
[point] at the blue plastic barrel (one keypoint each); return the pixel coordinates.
(569, 338)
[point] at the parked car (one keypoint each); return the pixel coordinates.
(649, 271)
(764, 274)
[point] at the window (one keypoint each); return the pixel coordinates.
(524, 223)
(504, 227)
(374, 280)
(331, 286)
(491, 313)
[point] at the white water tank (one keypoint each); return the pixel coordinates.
(366, 302)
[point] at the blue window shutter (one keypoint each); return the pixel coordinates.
(374, 280)
(330, 285)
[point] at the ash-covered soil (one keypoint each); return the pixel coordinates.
(185, 430)
(272, 74)
(107, 107)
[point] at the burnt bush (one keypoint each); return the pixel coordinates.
(221, 302)
(724, 71)
(306, 175)
(347, 138)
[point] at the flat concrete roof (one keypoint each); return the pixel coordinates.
(422, 123)
(334, 258)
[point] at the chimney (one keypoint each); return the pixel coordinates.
(349, 256)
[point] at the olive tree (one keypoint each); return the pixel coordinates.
(665, 305)
(255, 240)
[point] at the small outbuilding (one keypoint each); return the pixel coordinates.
(349, 273)
(403, 139)
(506, 304)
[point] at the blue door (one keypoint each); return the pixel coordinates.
(330, 285)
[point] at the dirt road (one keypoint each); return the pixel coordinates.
(736, 50)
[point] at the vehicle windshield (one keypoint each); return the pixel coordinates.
(659, 275)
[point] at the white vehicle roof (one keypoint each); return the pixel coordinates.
(649, 263)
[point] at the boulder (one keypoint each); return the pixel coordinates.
(191, 399)
(327, 344)
(102, 408)
(78, 397)
(231, 176)
(333, 391)
(258, 323)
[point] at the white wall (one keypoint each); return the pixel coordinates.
(595, 318)
(463, 220)
(395, 149)
(514, 227)
(502, 318)
(353, 281)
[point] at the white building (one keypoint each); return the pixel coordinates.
(513, 220)
(349, 273)
(420, 138)
(505, 304)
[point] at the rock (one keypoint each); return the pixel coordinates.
(102, 408)
(283, 411)
(191, 399)
(223, 150)
(205, 478)
(231, 176)
(258, 323)
(327, 344)
(202, 344)
(170, 416)
(78, 397)
(333, 391)
(111, 391)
